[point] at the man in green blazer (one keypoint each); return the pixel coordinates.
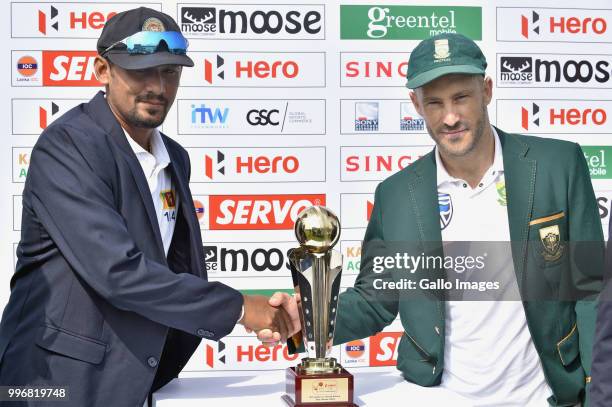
(548, 207)
(482, 184)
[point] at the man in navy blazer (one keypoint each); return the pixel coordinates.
(110, 296)
(601, 384)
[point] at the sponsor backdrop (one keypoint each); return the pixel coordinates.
(290, 105)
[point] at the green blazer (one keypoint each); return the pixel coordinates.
(543, 177)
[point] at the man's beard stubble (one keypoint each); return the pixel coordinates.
(477, 132)
(136, 120)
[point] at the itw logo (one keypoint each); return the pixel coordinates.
(204, 114)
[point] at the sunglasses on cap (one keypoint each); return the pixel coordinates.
(147, 42)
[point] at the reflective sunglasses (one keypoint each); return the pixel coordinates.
(147, 42)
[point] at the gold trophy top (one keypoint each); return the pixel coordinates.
(317, 229)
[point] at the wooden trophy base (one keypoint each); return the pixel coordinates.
(319, 390)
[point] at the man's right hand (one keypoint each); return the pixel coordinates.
(270, 315)
(291, 306)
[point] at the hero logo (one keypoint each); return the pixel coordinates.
(383, 348)
(576, 70)
(249, 22)
(69, 68)
(259, 164)
(249, 164)
(563, 116)
(562, 25)
(42, 20)
(259, 212)
(209, 162)
(45, 114)
(212, 355)
(262, 353)
(83, 21)
(251, 69)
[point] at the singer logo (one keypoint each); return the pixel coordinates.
(259, 212)
(383, 348)
(69, 68)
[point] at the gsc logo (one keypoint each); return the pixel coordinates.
(263, 117)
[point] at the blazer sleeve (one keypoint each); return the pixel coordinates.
(75, 206)
(364, 311)
(601, 384)
(586, 239)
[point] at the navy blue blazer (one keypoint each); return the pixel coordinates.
(95, 305)
(601, 385)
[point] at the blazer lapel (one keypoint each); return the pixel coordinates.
(422, 186)
(520, 176)
(423, 192)
(100, 112)
(187, 210)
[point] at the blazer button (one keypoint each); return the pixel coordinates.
(204, 333)
(152, 361)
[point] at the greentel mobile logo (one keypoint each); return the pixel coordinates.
(362, 22)
(597, 158)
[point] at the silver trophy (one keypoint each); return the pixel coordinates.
(316, 271)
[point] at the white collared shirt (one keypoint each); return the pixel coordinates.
(165, 200)
(489, 355)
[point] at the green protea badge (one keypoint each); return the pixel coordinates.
(501, 192)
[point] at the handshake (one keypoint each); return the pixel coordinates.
(274, 319)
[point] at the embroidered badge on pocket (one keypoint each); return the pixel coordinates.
(551, 242)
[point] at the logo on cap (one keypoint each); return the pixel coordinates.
(153, 24)
(441, 49)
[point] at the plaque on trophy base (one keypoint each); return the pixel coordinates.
(319, 381)
(333, 389)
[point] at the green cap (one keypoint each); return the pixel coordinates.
(442, 55)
